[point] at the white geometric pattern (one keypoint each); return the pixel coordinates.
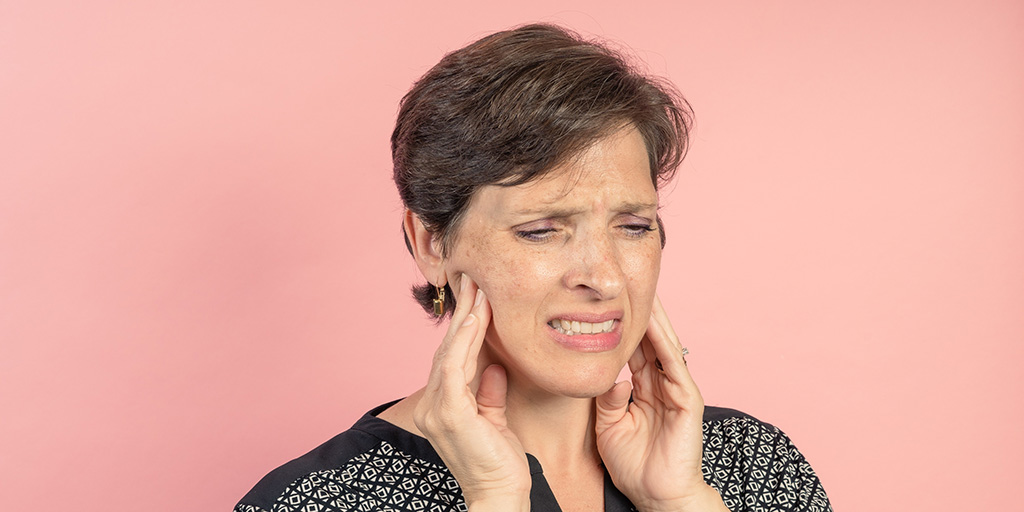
(753, 465)
(756, 468)
(383, 479)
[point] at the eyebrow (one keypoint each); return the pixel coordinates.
(561, 213)
(637, 207)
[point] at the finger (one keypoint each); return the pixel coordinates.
(645, 374)
(451, 354)
(647, 346)
(450, 371)
(492, 394)
(612, 406)
(637, 360)
(463, 305)
(660, 316)
(658, 310)
(678, 391)
(482, 313)
(459, 368)
(670, 355)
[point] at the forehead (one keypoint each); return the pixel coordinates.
(614, 170)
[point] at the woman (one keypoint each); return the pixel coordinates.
(529, 163)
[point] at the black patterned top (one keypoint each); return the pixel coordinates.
(378, 466)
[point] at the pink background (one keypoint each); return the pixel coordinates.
(202, 274)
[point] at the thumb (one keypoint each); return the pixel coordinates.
(490, 396)
(612, 405)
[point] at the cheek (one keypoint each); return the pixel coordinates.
(643, 274)
(644, 264)
(497, 271)
(516, 281)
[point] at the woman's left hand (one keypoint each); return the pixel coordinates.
(652, 447)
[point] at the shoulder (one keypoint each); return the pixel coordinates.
(318, 463)
(728, 426)
(361, 465)
(756, 466)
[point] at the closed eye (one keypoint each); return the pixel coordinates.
(536, 235)
(638, 230)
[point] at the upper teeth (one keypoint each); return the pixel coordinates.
(573, 327)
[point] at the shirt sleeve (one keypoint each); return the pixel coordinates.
(757, 468)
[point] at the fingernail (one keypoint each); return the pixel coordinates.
(465, 282)
(469, 320)
(479, 297)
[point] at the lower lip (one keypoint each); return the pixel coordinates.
(589, 342)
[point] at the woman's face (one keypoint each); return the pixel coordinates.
(569, 264)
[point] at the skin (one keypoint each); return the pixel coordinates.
(579, 243)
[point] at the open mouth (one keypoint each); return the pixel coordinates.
(574, 327)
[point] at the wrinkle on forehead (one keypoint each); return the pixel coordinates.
(593, 163)
(575, 168)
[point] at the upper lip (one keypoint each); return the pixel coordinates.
(593, 318)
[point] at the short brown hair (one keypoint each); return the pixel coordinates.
(511, 106)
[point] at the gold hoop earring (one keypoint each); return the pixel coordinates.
(439, 302)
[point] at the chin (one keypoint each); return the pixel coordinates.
(584, 382)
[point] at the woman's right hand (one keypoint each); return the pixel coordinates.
(469, 429)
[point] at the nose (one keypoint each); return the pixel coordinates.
(595, 267)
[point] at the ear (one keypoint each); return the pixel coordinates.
(426, 249)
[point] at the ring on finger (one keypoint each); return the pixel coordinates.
(657, 362)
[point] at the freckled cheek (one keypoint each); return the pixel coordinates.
(511, 286)
(494, 273)
(642, 272)
(515, 284)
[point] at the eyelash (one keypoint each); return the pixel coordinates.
(638, 230)
(535, 235)
(540, 235)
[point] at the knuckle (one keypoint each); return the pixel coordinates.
(437, 416)
(448, 370)
(445, 417)
(427, 420)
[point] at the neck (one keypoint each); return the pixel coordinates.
(558, 430)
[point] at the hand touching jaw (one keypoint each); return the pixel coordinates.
(569, 263)
(566, 267)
